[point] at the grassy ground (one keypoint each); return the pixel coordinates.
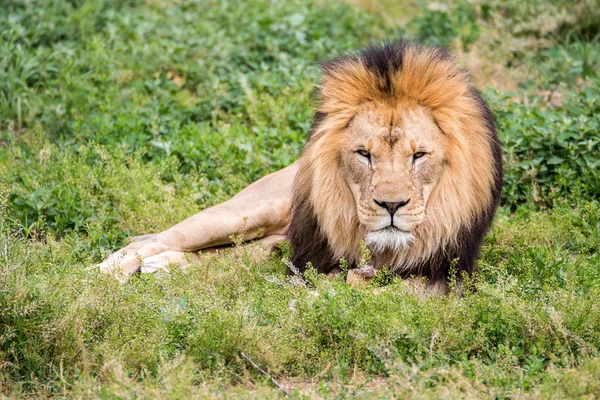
(121, 117)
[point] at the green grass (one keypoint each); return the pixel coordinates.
(123, 117)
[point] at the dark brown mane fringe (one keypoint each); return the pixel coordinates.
(309, 244)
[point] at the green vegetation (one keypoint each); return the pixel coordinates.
(121, 117)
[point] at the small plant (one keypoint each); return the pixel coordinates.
(311, 274)
(383, 277)
(365, 254)
(344, 266)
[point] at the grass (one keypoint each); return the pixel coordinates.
(123, 117)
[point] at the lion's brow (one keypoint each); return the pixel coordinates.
(392, 135)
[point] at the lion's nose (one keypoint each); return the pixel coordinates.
(391, 206)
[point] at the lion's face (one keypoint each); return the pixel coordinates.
(393, 160)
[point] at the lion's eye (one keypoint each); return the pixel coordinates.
(364, 153)
(418, 154)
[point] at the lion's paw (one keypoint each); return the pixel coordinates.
(360, 276)
(113, 265)
(165, 260)
(154, 264)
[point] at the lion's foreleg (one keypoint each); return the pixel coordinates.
(259, 251)
(260, 209)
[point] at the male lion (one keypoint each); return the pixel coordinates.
(402, 154)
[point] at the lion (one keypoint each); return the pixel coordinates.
(402, 156)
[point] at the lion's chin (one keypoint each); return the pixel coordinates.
(388, 239)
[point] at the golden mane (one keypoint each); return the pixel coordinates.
(324, 224)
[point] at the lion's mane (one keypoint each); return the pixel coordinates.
(324, 225)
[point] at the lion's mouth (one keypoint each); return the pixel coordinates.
(392, 229)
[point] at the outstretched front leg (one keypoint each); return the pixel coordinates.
(262, 208)
(261, 249)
